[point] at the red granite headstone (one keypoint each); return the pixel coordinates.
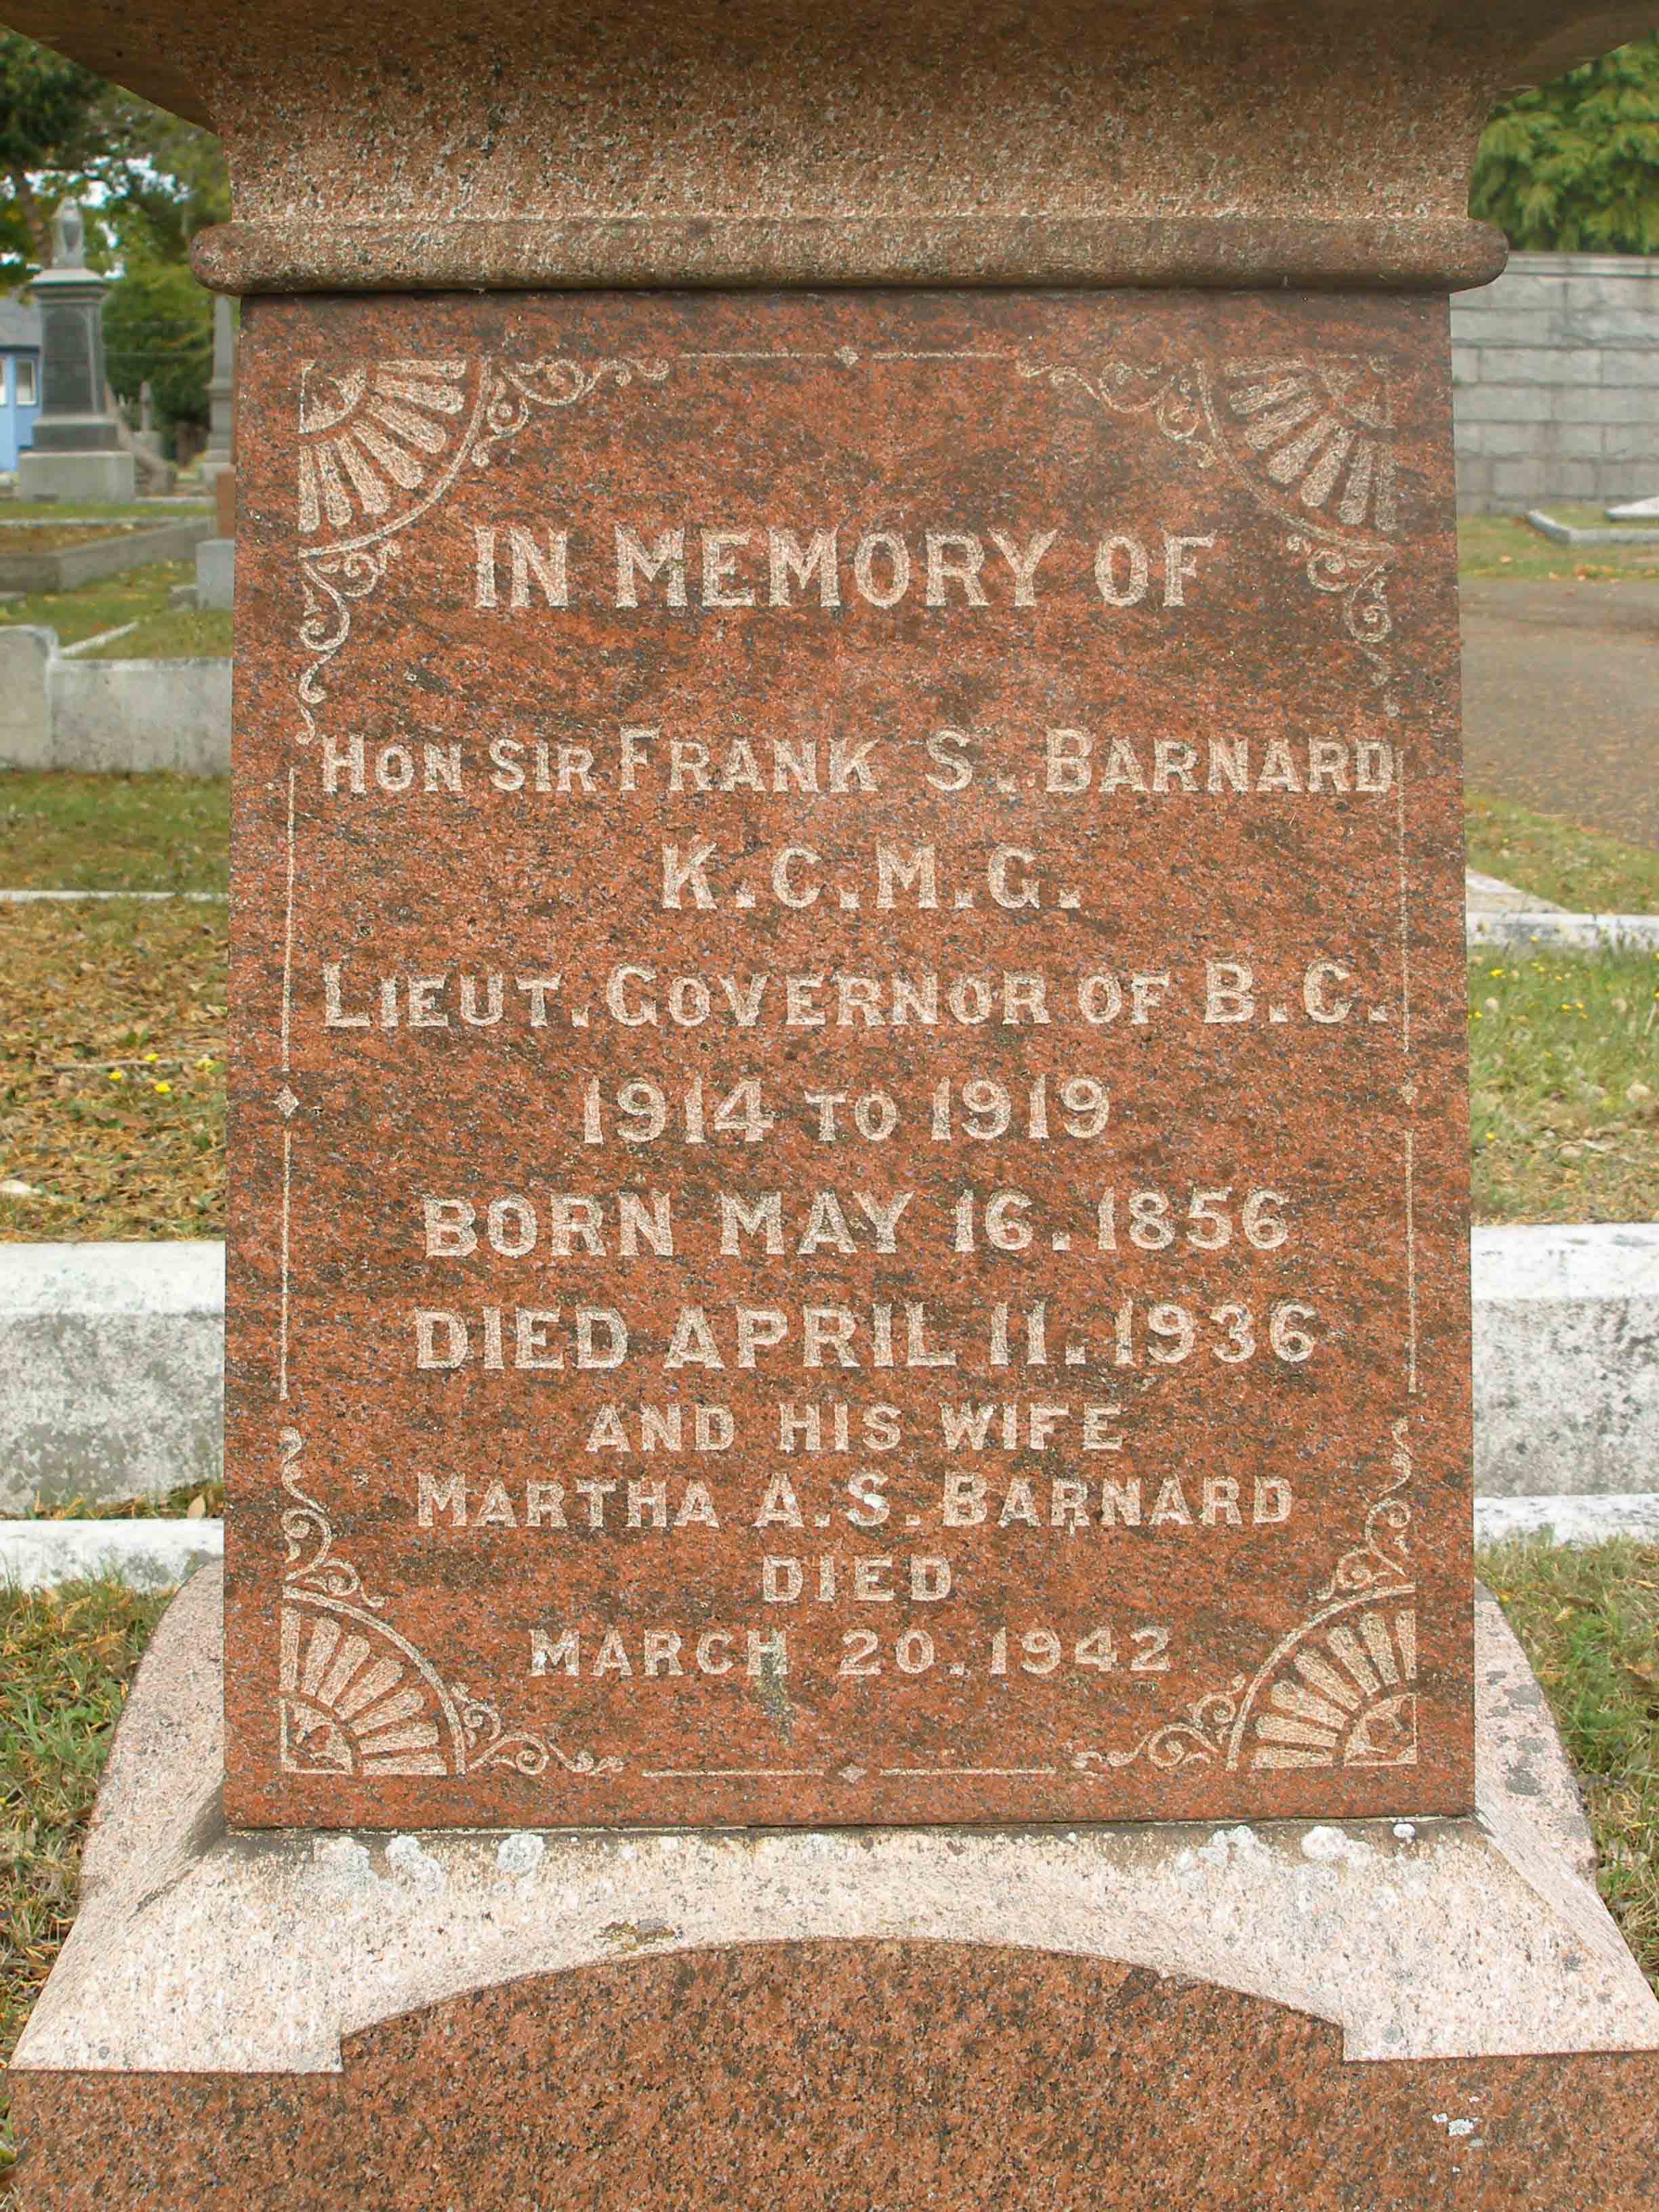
(848, 1135)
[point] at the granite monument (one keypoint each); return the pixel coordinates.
(847, 1565)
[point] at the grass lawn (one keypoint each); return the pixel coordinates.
(1563, 1085)
(66, 1659)
(180, 634)
(1589, 1620)
(55, 536)
(115, 833)
(1505, 545)
(111, 1071)
(141, 510)
(138, 595)
(1575, 868)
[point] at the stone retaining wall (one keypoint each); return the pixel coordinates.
(1555, 375)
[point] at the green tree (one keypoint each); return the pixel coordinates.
(55, 139)
(149, 181)
(174, 184)
(158, 328)
(1574, 166)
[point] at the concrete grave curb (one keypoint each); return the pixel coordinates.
(146, 1555)
(77, 898)
(1566, 1358)
(111, 554)
(1563, 533)
(1568, 1520)
(126, 717)
(113, 1358)
(1564, 932)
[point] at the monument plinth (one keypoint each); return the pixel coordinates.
(849, 1149)
(76, 451)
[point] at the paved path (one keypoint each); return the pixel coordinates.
(1561, 701)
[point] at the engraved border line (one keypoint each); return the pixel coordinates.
(1408, 1089)
(734, 1774)
(971, 1773)
(313, 559)
(286, 1102)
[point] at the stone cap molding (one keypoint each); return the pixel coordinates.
(1213, 253)
(1312, 143)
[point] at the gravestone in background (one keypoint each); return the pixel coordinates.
(216, 557)
(849, 1157)
(217, 455)
(76, 452)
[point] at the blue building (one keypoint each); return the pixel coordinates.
(19, 377)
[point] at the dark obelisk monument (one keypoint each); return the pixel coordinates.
(76, 451)
(849, 1556)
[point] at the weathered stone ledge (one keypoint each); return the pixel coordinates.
(200, 1950)
(1429, 253)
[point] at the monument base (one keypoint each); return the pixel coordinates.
(1402, 2016)
(100, 479)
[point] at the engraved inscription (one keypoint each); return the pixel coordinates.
(857, 1095)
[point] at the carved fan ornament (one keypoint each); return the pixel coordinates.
(1338, 1691)
(380, 446)
(355, 1697)
(1309, 437)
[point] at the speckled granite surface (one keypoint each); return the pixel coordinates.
(1065, 141)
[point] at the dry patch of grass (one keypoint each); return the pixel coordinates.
(180, 635)
(111, 1071)
(1590, 1622)
(136, 595)
(53, 537)
(190, 1502)
(67, 1658)
(1563, 1085)
(144, 513)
